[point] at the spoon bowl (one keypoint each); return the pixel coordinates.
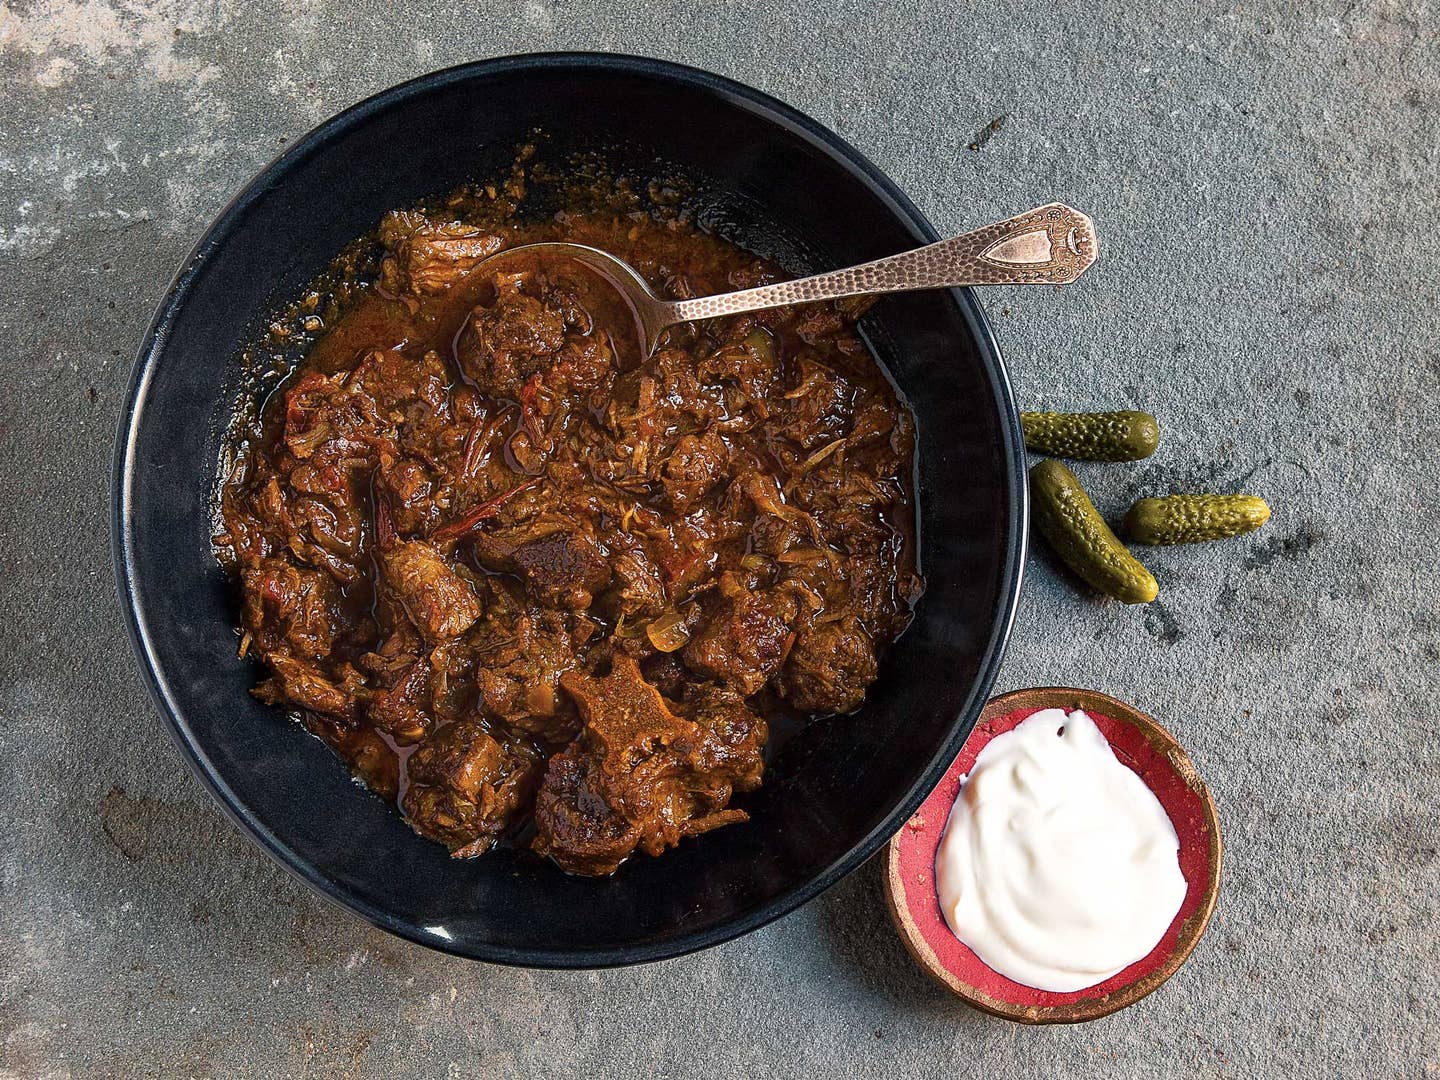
(638, 308)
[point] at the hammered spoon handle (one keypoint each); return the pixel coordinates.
(1050, 245)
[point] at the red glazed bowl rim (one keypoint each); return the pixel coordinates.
(1167, 770)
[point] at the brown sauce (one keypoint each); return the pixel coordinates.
(529, 583)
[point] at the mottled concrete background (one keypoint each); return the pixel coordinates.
(1265, 181)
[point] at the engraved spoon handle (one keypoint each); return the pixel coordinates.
(1050, 245)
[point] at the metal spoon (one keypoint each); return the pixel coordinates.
(1050, 245)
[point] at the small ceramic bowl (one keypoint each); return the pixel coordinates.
(1142, 745)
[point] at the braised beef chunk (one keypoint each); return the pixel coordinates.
(638, 776)
(562, 566)
(746, 636)
(404, 710)
(638, 589)
(467, 786)
(830, 667)
(749, 361)
(512, 339)
(564, 569)
(514, 572)
(427, 257)
(409, 491)
(292, 607)
(693, 469)
(730, 754)
(575, 825)
(523, 655)
(305, 685)
(438, 600)
(817, 409)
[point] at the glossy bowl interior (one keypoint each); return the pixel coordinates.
(775, 182)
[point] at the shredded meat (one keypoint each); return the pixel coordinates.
(516, 573)
(438, 600)
(639, 776)
(427, 257)
(746, 637)
(830, 668)
(466, 786)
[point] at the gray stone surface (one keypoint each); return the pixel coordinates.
(1264, 178)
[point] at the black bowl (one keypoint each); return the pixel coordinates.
(774, 181)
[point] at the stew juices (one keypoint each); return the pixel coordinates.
(535, 588)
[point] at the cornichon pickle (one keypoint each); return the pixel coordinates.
(1097, 436)
(1189, 519)
(1067, 518)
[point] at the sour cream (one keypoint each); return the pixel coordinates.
(1058, 867)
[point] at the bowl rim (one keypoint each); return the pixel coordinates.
(152, 347)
